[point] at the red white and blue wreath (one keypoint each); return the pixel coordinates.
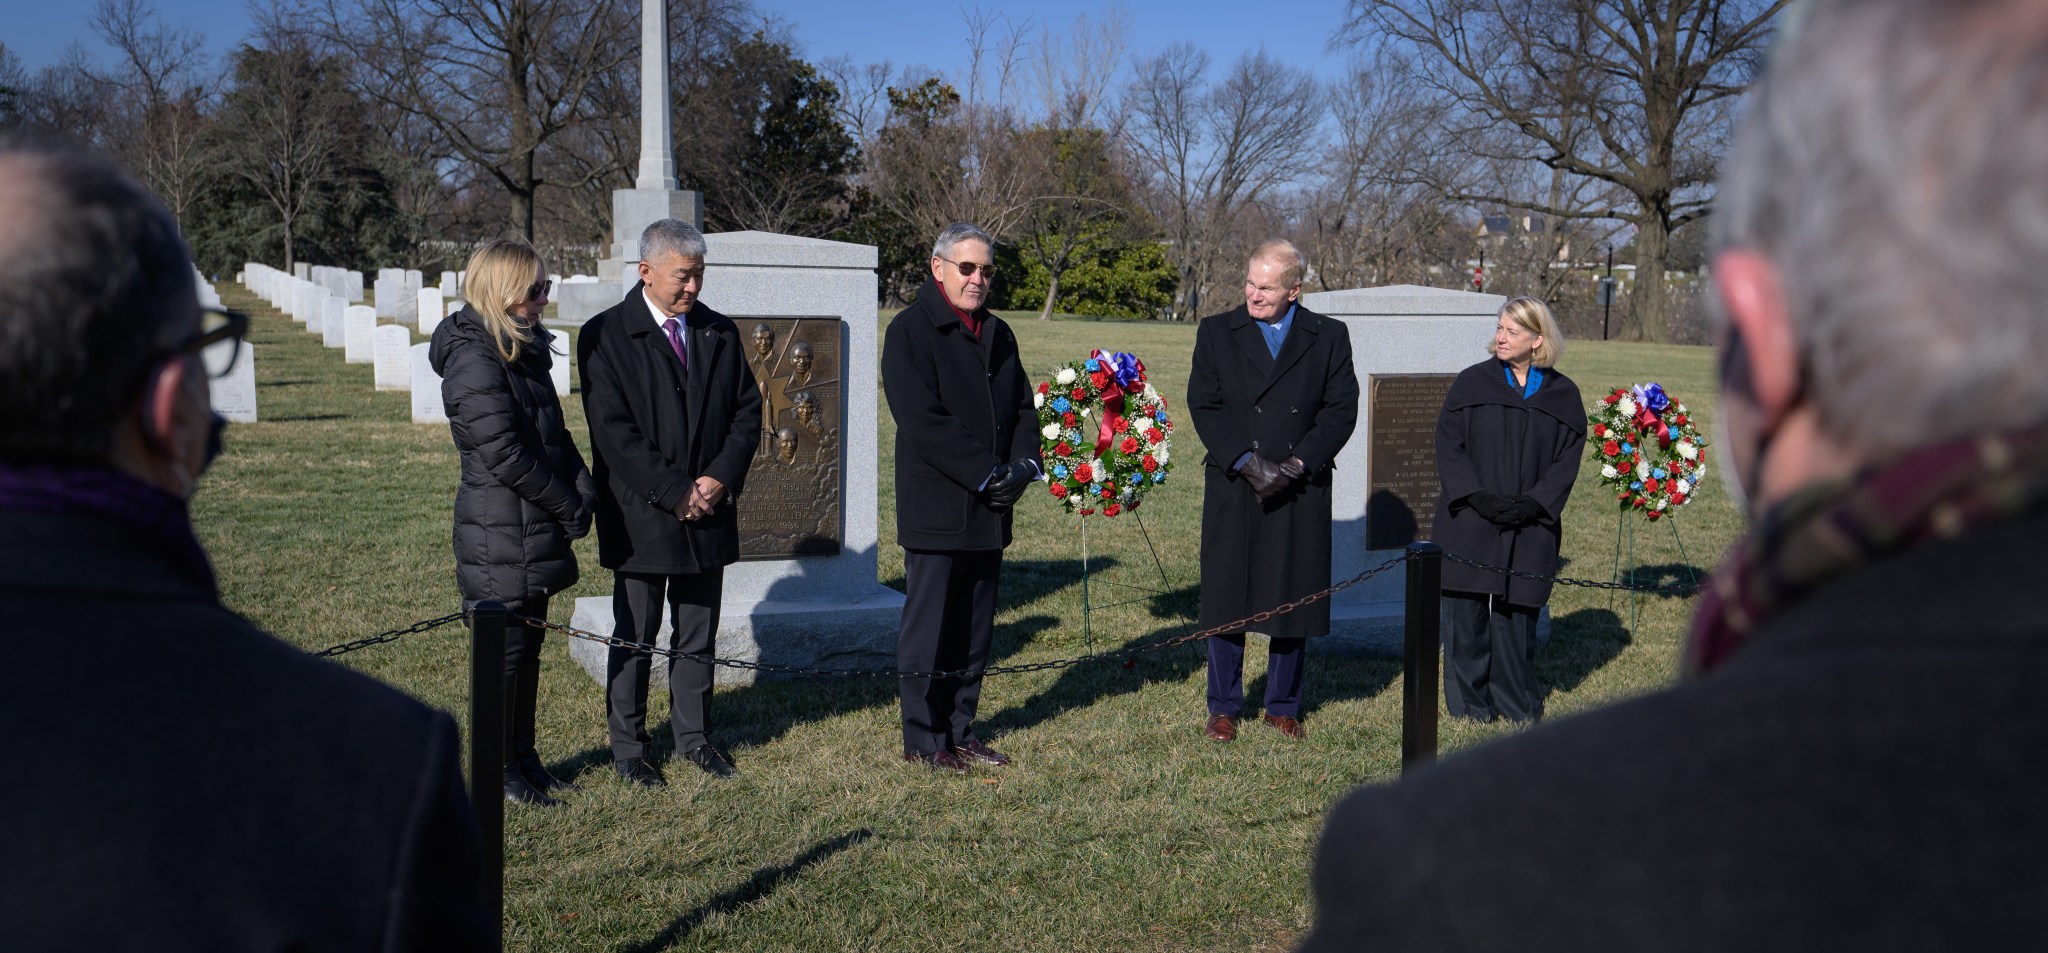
(1651, 455)
(1105, 434)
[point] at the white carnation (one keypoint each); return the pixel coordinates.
(1627, 407)
(1687, 450)
(1144, 424)
(1065, 376)
(1643, 470)
(1684, 487)
(1050, 431)
(1608, 472)
(1084, 411)
(1657, 505)
(1037, 399)
(1160, 454)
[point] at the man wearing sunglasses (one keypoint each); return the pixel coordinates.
(189, 781)
(966, 450)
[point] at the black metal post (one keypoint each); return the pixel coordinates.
(1607, 292)
(487, 746)
(1419, 648)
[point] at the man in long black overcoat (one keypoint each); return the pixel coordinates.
(675, 417)
(1273, 397)
(966, 449)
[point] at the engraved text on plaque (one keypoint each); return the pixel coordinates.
(1401, 485)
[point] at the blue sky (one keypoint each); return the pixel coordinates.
(928, 34)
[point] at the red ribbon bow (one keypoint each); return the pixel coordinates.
(1112, 404)
(1649, 421)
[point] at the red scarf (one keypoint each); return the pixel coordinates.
(969, 319)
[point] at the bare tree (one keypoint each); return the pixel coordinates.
(1374, 215)
(157, 92)
(500, 81)
(1211, 153)
(1631, 93)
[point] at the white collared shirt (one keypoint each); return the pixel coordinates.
(661, 324)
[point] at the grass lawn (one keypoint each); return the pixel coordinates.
(1119, 827)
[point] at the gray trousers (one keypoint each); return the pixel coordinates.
(638, 599)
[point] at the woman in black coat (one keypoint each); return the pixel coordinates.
(525, 494)
(1507, 450)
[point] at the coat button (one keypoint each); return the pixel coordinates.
(1258, 410)
(1293, 410)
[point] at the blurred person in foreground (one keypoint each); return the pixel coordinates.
(186, 781)
(526, 495)
(1507, 450)
(1852, 758)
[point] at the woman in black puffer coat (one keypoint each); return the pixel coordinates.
(526, 494)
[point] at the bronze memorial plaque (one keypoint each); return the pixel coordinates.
(791, 506)
(1401, 487)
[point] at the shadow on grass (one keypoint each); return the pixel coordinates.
(1664, 574)
(303, 418)
(761, 884)
(1580, 644)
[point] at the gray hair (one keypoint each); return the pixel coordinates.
(671, 236)
(1293, 264)
(959, 232)
(1889, 165)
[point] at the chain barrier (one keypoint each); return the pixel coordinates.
(1676, 589)
(1108, 656)
(391, 636)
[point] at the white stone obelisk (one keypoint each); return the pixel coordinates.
(654, 194)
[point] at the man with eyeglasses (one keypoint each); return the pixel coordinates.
(966, 449)
(1273, 396)
(187, 780)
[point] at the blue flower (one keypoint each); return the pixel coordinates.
(1159, 477)
(1093, 365)
(1658, 473)
(1625, 448)
(1059, 472)
(1094, 489)
(1060, 405)
(1637, 485)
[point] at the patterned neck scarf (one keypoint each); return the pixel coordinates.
(1825, 531)
(158, 518)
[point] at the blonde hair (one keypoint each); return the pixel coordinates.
(1534, 316)
(500, 274)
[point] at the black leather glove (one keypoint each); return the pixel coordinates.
(1264, 477)
(1006, 484)
(1294, 470)
(578, 526)
(1493, 508)
(1528, 512)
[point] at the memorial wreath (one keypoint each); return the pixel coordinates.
(1105, 434)
(1650, 454)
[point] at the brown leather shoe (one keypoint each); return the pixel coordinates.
(1286, 726)
(1221, 728)
(976, 751)
(937, 760)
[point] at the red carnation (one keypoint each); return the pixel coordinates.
(1068, 418)
(1111, 510)
(1045, 387)
(1084, 474)
(1108, 491)
(1622, 496)
(1599, 430)
(1062, 450)
(1677, 499)
(1149, 464)
(1650, 486)
(1078, 393)
(1610, 448)
(1120, 425)
(1099, 379)
(1130, 445)
(1154, 435)
(1680, 420)
(1087, 511)
(1612, 399)
(1059, 490)
(1641, 502)
(1653, 515)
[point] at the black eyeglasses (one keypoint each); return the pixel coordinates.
(545, 286)
(968, 268)
(219, 340)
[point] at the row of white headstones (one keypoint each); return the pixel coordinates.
(327, 303)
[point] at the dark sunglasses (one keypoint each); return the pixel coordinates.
(545, 286)
(219, 340)
(968, 268)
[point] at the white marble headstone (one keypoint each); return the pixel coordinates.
(357, 324)
(333, 333)
(559, 370)
(234, 396)
(390, 351)
(426, 389)
(430, 310)
(450, 285)
(316, 310)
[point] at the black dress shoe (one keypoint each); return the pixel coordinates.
(937, 760)
(640, 771)
(537, 775)
(713, 763)
(518, 791)
(976, 751)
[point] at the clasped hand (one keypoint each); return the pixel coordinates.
(1506, 512)
(1007, 482)
(1269, 479)
(705, 494)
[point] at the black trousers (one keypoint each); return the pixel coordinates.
(1490, 658)
(522, 678)
(692, 601)
(949, 613)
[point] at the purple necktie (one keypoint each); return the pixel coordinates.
(675, 339)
